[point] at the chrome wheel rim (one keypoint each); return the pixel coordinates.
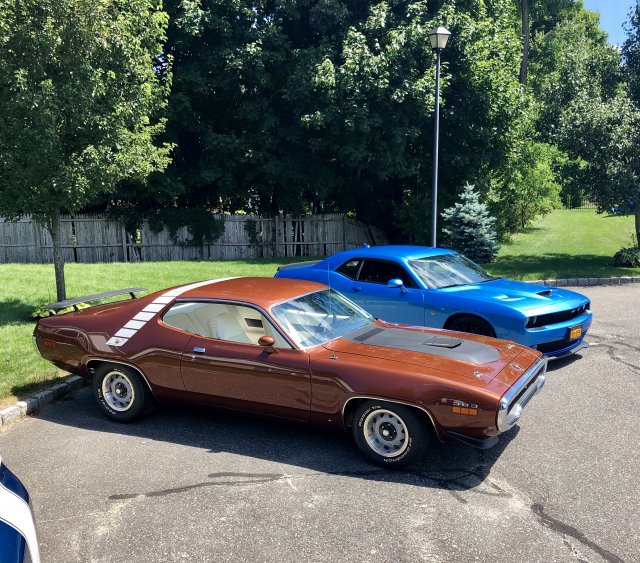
(117, 390)
(386, 433)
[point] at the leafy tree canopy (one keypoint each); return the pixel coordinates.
(80, 82)
(326, 105)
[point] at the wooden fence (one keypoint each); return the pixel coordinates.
(97, 238)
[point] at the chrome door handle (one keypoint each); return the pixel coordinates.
(198, 350)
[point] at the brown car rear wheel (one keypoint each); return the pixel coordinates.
(120, 392)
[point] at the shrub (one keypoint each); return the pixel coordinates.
(628, 257)
(470, 228)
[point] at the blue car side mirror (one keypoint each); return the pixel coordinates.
(397, 282)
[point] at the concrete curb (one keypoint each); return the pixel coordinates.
(32, 405)
(562, 282)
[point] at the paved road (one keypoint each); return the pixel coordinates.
(187, 484)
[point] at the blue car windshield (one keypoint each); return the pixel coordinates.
(319, 317)
(448, 270)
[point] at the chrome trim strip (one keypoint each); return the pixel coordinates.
(510, 412)
(388, 400)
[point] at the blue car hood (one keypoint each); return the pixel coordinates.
(517, 295)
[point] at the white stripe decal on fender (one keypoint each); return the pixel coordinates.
(152, 309)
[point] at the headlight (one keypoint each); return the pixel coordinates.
(531, 322)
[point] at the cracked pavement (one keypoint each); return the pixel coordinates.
(194, 484)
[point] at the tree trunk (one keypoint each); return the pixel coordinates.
(53, 227)
(526, 40)
(637, 214)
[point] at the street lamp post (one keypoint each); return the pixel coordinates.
(438, 37)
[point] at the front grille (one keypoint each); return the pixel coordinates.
(559, 317)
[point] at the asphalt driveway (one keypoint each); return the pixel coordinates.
(198, 485)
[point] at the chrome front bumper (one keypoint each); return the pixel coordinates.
(515, 399)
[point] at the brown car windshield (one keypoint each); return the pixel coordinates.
(319, 317)
(448, 270)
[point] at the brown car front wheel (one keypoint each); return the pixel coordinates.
(388, 434)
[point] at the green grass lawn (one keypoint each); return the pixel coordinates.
(563, 244)
(567, 244)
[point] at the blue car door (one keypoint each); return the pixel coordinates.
(369, 289)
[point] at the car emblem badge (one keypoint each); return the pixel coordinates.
(517, 367)
(477, 373)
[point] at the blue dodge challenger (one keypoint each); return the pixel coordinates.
(440, 288)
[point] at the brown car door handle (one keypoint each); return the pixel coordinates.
(198, 350)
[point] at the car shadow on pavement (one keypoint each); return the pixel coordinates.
(306, 451)
(560, 363)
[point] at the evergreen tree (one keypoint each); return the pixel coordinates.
(470, 228)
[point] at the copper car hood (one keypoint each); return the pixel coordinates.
(466, 355)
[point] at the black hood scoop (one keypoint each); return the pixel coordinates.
(426, 343)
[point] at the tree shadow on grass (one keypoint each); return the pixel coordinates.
(13, 310)
(556, 265)
(29, 389)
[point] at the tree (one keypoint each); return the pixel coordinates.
(526, 41)
(470, 228)
(326, 105)
(539, 16)
(606, 135)
(631, 53)
(80, 84)
(528, 187)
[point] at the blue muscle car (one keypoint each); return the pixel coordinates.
(443, 289)
(18, 542)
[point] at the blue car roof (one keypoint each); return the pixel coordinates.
(390, 251)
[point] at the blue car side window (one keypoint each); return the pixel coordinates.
(350, 268)
(381, 271)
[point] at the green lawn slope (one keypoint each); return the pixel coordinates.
(567, 244)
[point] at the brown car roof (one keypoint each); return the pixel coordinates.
(263, 292)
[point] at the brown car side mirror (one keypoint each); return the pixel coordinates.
(267, 343)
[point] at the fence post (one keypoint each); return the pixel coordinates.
(275, 226)
(123, 234)
(37, 235)
(344, 232)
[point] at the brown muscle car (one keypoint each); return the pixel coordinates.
(298, 350)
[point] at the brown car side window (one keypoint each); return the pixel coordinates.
(381, 271)
(223, 321)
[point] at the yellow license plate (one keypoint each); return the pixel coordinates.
(575, 332)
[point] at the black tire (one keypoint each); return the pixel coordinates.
(407, 438)
(471, 324)
(121, 393)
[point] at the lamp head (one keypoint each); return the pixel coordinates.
(439, 37)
